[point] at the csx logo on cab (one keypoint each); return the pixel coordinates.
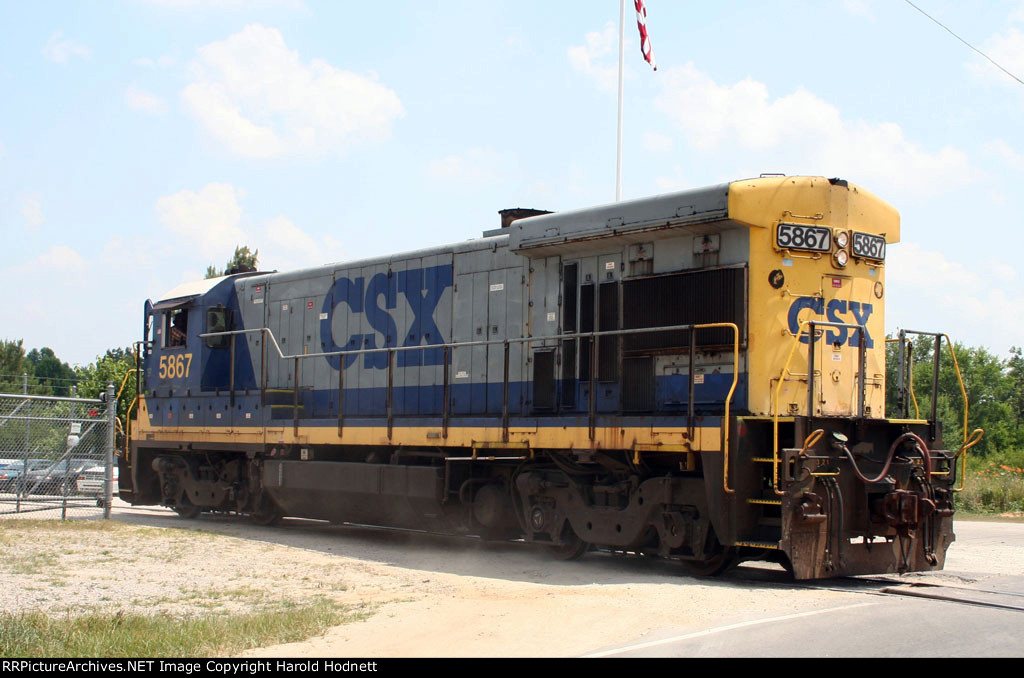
(422, 289)
(834, 312)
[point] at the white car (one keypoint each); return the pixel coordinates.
(90, 483)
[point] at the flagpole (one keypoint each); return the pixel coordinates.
(618, 153)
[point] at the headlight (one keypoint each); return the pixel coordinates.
(842, 239)
(842, 258)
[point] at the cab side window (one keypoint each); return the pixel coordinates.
(176, 322)
(217, 321)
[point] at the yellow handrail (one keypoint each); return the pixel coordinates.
(963, 391)
(728, 398)
(913, 398)
(974, 438)
(810, 442)
(778, 395)
(124, 381)
(128, 412)
(970, 442)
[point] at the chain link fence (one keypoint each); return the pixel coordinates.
(56, 456)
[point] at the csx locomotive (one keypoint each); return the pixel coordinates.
(698, 375)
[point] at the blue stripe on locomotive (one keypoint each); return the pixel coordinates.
(209, 383)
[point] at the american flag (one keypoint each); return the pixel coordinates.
(645, 40)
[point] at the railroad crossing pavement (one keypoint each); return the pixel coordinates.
(974, 608)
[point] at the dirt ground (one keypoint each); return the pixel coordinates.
(426, 595)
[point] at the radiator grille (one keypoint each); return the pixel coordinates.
(714, 296)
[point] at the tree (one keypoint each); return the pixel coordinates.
(243, 261)
(110, 368)
(1015, 372)
(14, 364)
(51, 372)
(994, 387)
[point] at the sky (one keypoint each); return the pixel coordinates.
(142, 140)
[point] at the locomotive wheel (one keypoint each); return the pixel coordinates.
(571, 548)
(187, 509)
(187, 512)
(268, 514)
(712, 566)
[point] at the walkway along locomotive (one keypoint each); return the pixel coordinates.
(698, 375)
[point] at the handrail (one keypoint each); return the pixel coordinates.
(124, 381)
(128, 412)
(811, 324)
(128, 419)
(974, 439)
(470, 344)
(975, 436)
(266, 331)
(728, 397)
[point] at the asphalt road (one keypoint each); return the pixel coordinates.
(974, 608)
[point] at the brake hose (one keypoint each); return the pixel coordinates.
(921, 446)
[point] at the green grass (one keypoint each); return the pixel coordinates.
(87, 632)
(35, 634)
(34, 563)
(995, 484)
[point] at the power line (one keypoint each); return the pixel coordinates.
(990, 59)
(42, 378)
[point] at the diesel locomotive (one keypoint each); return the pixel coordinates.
(698, 376)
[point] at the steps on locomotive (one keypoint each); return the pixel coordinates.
(768, 530)
(281, 402)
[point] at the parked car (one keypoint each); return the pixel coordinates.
(90, 483)
(13, 469)
(58, 477)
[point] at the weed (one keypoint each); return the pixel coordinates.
(33, 634)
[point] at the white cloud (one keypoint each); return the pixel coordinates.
(925, 289)
(517, 44)
(658, 143)
(802, 129)
(1005, 49)
(1017, 16)
(861, 8)
(60, 51)
(477, 165)
(591, 58)
(32, 210)
(1004, 151)
(164, 61)
(225, 4)
(144, 101)
(284, 246)
(208, 220)
(211, 221)
(677, 181)
(258, 98)
(58, 259)
(1001, 270)
(909, 264)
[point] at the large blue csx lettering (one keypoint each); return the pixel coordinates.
(836, 309)
(422, 289)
